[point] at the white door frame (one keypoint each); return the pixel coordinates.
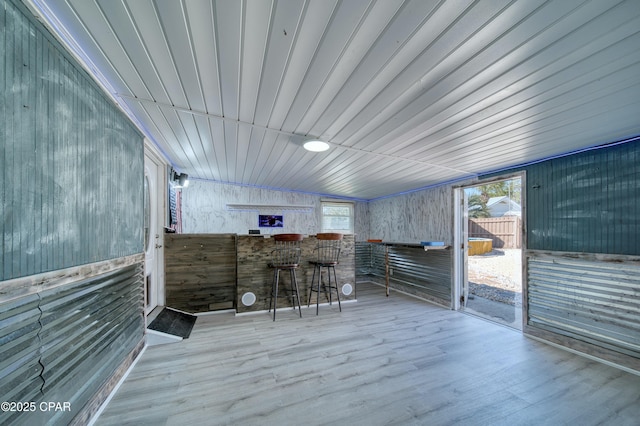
(155, 169)
(461, 231)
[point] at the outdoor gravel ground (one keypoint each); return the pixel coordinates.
(497, 275)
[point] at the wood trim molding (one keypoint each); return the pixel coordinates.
(24, 286)
(608, 356)
(258, 207)
(601, 257)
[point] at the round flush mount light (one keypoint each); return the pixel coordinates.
(248, 299)
(316, 146)
(347, 289)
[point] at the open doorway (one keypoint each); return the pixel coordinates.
(154, 223)
(492, 231)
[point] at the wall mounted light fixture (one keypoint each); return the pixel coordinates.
(180, 180)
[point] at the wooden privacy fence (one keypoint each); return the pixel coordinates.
(506, 232)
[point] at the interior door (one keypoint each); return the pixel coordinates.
(153, 227)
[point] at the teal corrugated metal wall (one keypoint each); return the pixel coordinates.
(72, 163)
(71, 193)
(587, 205)
(587, 202)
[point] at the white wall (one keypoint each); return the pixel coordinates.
(204, 209)
(425, 215)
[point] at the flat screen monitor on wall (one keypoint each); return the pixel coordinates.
(270, 221)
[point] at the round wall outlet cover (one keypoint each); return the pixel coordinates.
(347, 289)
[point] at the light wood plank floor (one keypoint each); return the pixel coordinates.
(381, 361)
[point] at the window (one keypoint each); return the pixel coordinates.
(337, 217)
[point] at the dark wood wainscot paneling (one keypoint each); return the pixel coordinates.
(200, 271)
(254, 275)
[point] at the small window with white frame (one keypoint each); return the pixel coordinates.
(337, 217)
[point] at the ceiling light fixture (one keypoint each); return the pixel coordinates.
(316, 146)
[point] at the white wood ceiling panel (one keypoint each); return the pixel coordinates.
(216, 129)
(342, 25)
(563, 101)
(273, 154)
(460, 67)
(199, 15)
(554, 131)
(257, 17)
(469, 90)
(285, 18)
(407, 20)
(77, 35)
(263, 161)
(203, 129)
(433, 21)
(558, 80)
(372, 25)
(243, 145)
(410, 93)
(174, 25)
(156, 126)
(227, 24)
(231, 144)
(314, 23)
(403, 86)
(189, 126)
(120, 20)
(147, 21)
(177, 131)
(108, 42)
(287, 156)
(558, 94)
(253, 154)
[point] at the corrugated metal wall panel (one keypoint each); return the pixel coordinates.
(593, 301)
(72, 163)
(19, 352)
(587, 202)
(424, 274)
(363, 259)
(64, 343)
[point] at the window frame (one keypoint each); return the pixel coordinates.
(351, 207)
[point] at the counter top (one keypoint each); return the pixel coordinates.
(424, 244)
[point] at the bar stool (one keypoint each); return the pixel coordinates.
(327, 256)
(286, 256)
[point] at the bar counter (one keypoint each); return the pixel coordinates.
(254, 275)
(208, 272)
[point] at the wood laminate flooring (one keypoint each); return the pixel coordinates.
(395, 360)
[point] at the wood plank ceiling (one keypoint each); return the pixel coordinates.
(408, 93)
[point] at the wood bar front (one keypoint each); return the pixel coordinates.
(208, 272)
(254, 275)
